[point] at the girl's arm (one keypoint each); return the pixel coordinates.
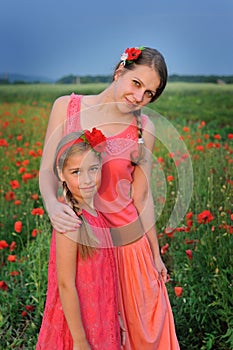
(66, 260)
(61, 215)
(143, 199)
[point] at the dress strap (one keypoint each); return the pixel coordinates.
(73, 114)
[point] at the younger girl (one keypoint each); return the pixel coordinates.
(81, 311)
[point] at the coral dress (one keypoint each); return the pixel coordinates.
(144, 302)
(97, 290)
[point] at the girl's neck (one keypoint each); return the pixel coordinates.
(88, 207)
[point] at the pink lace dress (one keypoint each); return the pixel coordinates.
(97, 290)
(144, 302)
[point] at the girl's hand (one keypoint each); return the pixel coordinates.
(161, 268)
(63, 218)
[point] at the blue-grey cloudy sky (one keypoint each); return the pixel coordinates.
(54, 38)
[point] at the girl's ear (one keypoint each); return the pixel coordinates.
(61, 177)
(118, 71)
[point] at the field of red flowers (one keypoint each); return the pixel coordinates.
(197, 252)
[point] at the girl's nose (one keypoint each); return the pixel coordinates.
(138, 95)
(87, 178)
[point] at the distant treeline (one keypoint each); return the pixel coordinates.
(92, 79)
(72, 79)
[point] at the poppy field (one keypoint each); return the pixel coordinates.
(197, 252)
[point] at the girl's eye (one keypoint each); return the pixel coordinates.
(136, 83)
(76, 172)
(94, 169)
(149, 94)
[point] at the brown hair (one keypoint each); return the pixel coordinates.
(154, 59)
(89, 242)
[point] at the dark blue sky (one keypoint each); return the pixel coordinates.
(54, 38)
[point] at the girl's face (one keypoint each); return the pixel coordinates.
(82, 174)
(135, 88)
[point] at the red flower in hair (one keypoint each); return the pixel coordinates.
(96, 139)
(131, 54)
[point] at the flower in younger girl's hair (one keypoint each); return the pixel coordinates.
(178, 291)
(189, 253)
(18, 226)
(96, 139)
(204, 217)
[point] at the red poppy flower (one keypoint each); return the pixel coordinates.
(3, 143)
(133, 53)
(204, 217)
(26, 177)
(34, 196)
(30, 308)
(217, 136)
(178, 291)
(200, 148)
(186, 129)
(3, 244)
(164, 249)
(18, 226)
(12, 246)
(189, 215)
(24, 313)
(14, 184)
(230, 136)
(37, 211)
(25, 162)
(14, 273)
(11, 258)
(34, 232)
(189, 253)
(17, 202)
(9, 196)
(170, 178)
(3, 285)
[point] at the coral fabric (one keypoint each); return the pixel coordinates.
(144, 302)
(97, 290)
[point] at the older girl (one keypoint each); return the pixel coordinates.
(124, 197)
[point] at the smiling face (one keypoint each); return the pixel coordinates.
(135, 88)
(82, 174)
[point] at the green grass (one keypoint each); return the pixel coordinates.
(203, 313)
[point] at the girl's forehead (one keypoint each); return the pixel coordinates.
(82, 159)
